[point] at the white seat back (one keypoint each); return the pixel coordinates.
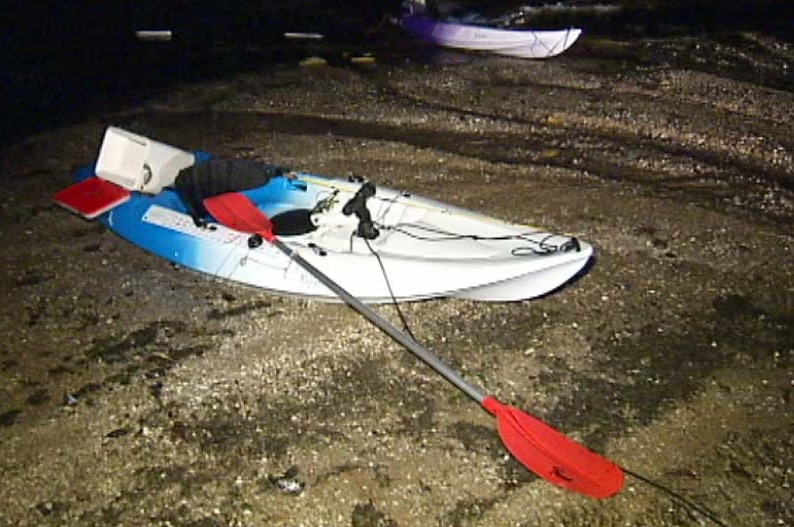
(138, 163)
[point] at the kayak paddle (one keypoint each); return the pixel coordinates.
(542, 449)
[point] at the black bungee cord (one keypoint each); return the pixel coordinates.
(444, 236)
(394, 301)
(677, 497)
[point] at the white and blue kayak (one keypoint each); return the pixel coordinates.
(416, 248)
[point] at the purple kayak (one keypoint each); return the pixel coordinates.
(521, 43)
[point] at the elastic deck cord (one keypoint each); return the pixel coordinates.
(538, 247)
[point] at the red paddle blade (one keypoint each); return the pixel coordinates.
(237, 212)
(554, 456)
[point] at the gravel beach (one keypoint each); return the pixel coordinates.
(133, 392)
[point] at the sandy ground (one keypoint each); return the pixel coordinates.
(136, 393)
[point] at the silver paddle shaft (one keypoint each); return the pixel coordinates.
(473, 391)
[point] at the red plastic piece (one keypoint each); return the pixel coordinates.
(552, 455)
(92, 197)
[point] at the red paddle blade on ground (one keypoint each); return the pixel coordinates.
(237, 212)
(552, 455)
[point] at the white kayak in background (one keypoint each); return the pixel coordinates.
(521, 43)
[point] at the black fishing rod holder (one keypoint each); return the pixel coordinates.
(358, 206)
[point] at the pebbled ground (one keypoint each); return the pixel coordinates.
(136, 393)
